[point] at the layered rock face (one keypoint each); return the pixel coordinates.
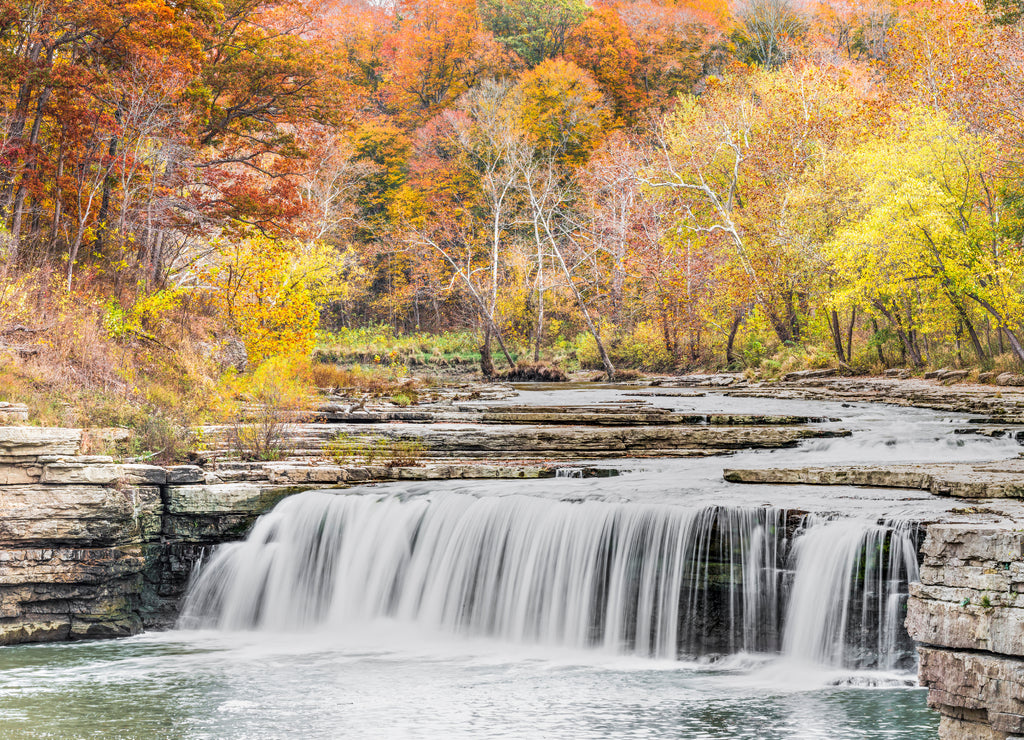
(93, 549)
(967, 613)
(89, 548)
(70, 541)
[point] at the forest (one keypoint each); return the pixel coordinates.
(654, 185)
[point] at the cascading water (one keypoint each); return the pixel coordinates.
(849, 594)
(647, 579)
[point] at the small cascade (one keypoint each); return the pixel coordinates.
(849, 593)
(646, 579)
(569, 473)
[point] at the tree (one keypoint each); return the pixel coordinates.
(536, 30)
(931, 226)
(767, 32)
(441, 50)
(268, 291)
(561, 110)
(601, 45)
(465, 219)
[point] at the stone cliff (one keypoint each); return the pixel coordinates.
(967, 614)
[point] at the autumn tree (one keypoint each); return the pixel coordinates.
(561, 110)
(932, 227)
(736, 154)
(767, 31)
(602, 46)
(441, 50)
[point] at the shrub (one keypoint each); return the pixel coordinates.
(266, 403)
(533, 372)
(348, 449)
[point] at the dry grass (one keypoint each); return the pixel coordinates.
(375, 381)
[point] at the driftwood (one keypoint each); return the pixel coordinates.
(22, 329)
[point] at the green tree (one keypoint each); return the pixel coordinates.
(534, 29)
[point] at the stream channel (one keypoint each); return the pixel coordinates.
(659, 602)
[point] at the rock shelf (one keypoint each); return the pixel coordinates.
(984, 480)
(967, 614)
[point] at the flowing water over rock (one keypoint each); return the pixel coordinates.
(662, 602)
(652, 580)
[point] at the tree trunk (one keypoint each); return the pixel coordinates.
(837, 335)
(731, 360)
(849, 335)
(906, 338)
(486, 361)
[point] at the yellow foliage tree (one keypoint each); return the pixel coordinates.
(268, 292)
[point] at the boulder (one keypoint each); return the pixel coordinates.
(1010, 379)
(809, 374)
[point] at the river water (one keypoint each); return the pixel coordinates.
(541, 609)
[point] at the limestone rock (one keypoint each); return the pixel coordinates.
(65, 514)
(19, 475)
(226, 498)
(809, 374)
(184, 474)
(958, 480)
(12, 412)
(976, 687)
(30, 442)
(79, 471)
(1010, 379)
(144, 475)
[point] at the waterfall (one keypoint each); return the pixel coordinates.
(646, 579)
(849, 593)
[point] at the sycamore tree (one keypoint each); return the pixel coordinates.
(735, 157)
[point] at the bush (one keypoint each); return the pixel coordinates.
(533, 372)
(348, 449)
(266, 403)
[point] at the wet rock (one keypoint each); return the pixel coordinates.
(982, 480)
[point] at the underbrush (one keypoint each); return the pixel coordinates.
(382, 345)
(348, 449)
(376, 381)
